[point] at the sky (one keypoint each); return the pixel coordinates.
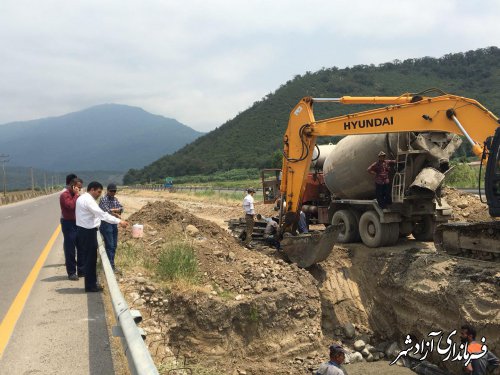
(203, 62)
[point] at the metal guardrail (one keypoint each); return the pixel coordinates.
(132, 337)
(191, 188)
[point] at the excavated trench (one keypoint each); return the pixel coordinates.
(388, 293)
(256, 312)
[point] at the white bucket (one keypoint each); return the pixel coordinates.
(137, 230)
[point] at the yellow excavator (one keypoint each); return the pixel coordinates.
(428, 112)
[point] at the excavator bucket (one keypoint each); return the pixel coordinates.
(308, 249)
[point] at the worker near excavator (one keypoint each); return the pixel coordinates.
(248, 206)
(271, 231)
(481, 366)
(381, 170)
(333, 366)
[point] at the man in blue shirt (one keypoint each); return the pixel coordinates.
(333, 366)
(109, 232)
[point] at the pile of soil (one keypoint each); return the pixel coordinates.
(249, 310)
(466, 207)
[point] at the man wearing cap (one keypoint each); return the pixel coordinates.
(333, 366)
(248, 206)
(381, 169)
(109, 232)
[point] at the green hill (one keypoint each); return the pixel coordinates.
(253, 139)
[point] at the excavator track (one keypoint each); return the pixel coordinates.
(470, 240)
(238, 228)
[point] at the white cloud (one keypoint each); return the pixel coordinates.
(202, 62)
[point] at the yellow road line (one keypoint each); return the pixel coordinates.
(15, 310)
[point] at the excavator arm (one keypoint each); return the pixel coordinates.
(405, 113)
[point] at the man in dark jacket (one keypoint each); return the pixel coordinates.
(481, 366)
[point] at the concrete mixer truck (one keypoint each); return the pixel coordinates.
(331, 184)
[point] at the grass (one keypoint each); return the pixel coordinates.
(254, 315)
(224, 294)
(196, 369)
(178, 261)
(255, 183)
(127, 255)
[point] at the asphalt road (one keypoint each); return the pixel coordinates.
(62, 329)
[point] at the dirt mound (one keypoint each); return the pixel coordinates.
(255, 309)
(466, 207)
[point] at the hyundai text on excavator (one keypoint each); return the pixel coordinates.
(429, 120)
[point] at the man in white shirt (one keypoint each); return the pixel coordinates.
(88, 219)
(249, 208)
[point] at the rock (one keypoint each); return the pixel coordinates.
(242, 372)
(370, 348)
(349, 330)
(359, 345)
(239, 297)
(365, 352)
(231, 256)
(134, 296)
(140, 280)
(369, 358)
(140, 302)
(392, 351)
(355, 357)
(462, 205)
(150, 288)
(465, 214)
(192, 230)
(376, 356)
(258, 287)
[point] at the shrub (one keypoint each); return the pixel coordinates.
(178, 261)
(463, 176)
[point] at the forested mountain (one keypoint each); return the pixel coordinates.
(253, 139)
(108, 137)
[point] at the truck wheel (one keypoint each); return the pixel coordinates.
(391, 233)
(347, 220)
(405, 228)
(372, 231)
(424, 229)
(357, 216)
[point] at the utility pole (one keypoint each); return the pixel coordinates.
(45, 181)
(3, 160)
(32, 180)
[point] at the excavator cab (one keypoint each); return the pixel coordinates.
(492, 176)
(271, 179)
